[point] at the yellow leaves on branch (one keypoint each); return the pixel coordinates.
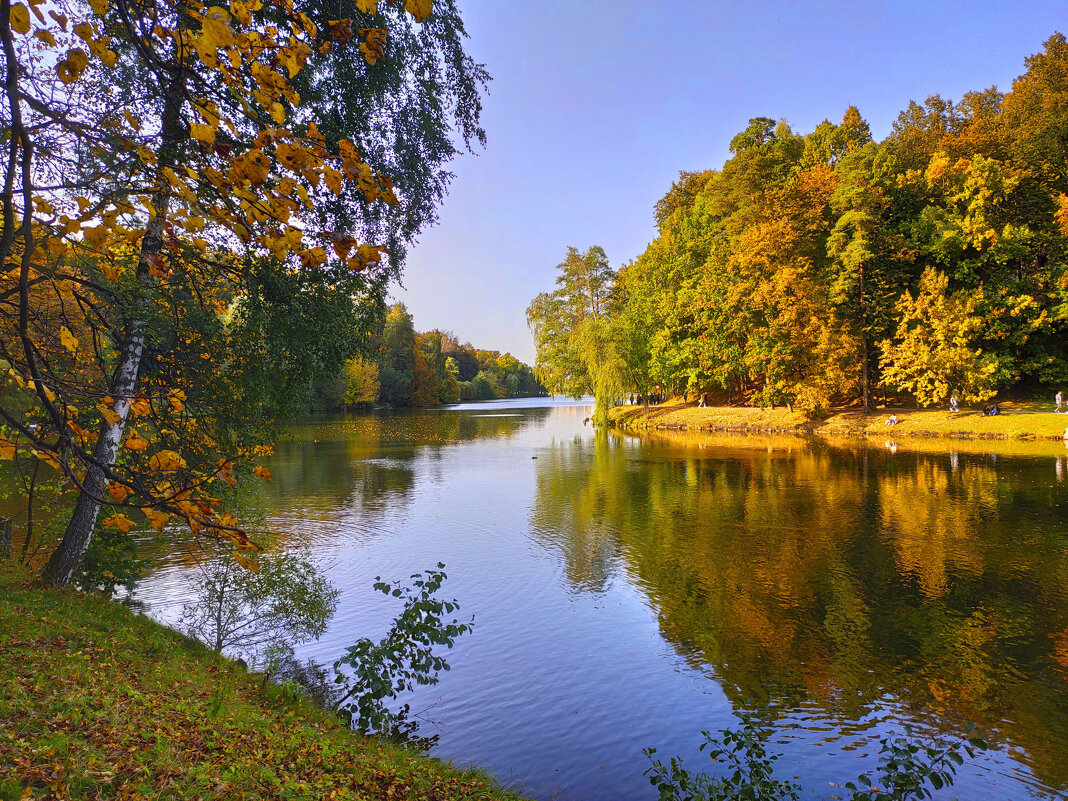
(110, 415)
(225, 473)
(71, 68)
(420, 9)
(176, 398)
(118, 492)
(156, 518)
(373, 45)
(262, 472)
(69, 341)
(120, 522)
(166, 462)
(135, 442)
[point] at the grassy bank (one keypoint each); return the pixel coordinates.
(1017, 421)
(98, 702)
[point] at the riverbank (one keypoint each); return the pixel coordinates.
(1015, 422)
(97, 701)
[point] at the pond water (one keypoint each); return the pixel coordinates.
(631, 592)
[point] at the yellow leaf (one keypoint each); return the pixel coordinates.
(176, 398)
(367, 6)
(108, 414)
(135, 442)
(241, 11)
(302, 193)
(262, 472)
(225, 472)
(166, 462)
(249, 564)
(46, 37)
(278, 113)
(71, 68)
(333, 179)
(111, 270)
(70, 342)
(20, 18)
(121, 522)
(140, 407)
(48, 393)
(118, 492)
(109, 57)
(156, 518)
(202, 133)
(420, 9)
(7, 449)
(96, 236)
(99, 7)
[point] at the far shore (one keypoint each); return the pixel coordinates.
(1016, 421)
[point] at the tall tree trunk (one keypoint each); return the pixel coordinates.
(865, 372)
(30, 495)
(70, 554)
(866, 377)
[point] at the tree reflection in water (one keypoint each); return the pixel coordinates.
(800, 573)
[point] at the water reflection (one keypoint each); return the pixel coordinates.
(798, 572)
(630, 592)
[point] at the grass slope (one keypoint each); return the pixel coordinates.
(99, 702)
(1017, 421)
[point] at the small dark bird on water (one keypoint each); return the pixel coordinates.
(585, 421)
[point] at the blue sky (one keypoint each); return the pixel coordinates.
(595, 107)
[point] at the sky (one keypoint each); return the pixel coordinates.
(597, 105)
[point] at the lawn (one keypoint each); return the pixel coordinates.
(99, 702)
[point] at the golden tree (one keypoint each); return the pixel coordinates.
(157, 156)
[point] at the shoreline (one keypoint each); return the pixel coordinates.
(1013, 423)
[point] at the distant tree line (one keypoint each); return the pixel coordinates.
(402, 367)
(827, 267)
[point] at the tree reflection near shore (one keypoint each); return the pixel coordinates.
(797, 572)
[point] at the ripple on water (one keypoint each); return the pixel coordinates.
(633, 592)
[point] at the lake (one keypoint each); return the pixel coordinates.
(630, 592)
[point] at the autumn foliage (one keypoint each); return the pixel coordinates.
(829, 268)
(163, 186)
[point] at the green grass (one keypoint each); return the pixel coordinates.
(1017, 421)
(99, 702)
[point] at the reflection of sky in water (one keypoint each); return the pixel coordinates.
(631, 592)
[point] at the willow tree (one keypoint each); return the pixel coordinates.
(163, 195)
(573, 333)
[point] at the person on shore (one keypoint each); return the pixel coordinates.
(892, 420)
(954, 405)
(990, 411)
(1058, 399)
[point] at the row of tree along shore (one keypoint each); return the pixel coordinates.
(827, 269)
(403, 367)
(1015, 420)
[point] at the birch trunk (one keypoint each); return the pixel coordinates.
(70, 554)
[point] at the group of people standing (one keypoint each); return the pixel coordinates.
(655, 397)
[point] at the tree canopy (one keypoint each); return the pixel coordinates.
(201, 208)
(817, 268)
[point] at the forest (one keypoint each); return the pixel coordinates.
(406, 368)
(827, 268)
